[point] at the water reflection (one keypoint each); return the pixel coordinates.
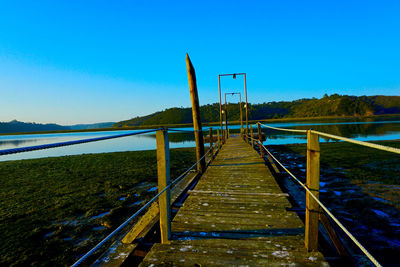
(4, 144)
(364, 131)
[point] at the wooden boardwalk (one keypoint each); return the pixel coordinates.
(236, 215)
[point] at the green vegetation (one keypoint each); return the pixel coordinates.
(328, 107)
(49, 206)
(331, 106)
(18, 126)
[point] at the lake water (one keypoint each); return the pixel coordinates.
(359, 130)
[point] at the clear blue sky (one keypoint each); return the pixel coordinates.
(91, 61)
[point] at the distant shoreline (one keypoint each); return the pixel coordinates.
(141, 127)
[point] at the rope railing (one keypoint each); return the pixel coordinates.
(362, 143)
(94, 249)
(69, 143)
(88, 140)
(362, 248)
(284, 129)
(311, 194)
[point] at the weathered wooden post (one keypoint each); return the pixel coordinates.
(163, 171)
(198, 131)
(312, 207)
(211, 144)
(219, 139)
(260, 139)
(251, 137)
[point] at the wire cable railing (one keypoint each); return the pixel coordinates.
(88, 140)
(285, 129)
(218, 143)
(94, 249)
(341, 138)
(69, 143)
(367, 144)
(363, 249)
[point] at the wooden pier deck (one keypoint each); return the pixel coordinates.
(236, 215)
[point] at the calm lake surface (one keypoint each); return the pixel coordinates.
(360, 130)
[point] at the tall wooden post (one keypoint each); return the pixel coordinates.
(163, 171)
(260, 139)
(241, 116)
(211, 144)
(251, 137)
(219, 139)
(312, 207)
(198, 131)
(247, 117)
(226, 120)
(220, 107)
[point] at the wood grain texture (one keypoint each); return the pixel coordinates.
(312, 207)
(236, 215)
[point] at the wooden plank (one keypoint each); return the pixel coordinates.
(152, 215)
(235, 202)
(273, 164)
(163, 171)
(202, 254)
(312, 207)
(144, 221)
(227, 193)
(332, 235)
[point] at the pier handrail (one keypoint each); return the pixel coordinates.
(311, 194)
(83, 258)
(156, 197)
(362, 143)
(69, 143)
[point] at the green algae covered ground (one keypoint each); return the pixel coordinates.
(54, 209)
(361, 186)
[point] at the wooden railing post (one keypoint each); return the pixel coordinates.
(198, 131)
(211, 144)
(219, 139)
(312, 207)
(163, 171)
(260, 139)
(251, 135)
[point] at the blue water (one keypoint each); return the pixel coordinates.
(364, 131)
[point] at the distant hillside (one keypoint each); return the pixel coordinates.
(333, 105)
(91, 126)
(21, 127)
(18, 127)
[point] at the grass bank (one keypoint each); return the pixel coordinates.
(54, 209)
